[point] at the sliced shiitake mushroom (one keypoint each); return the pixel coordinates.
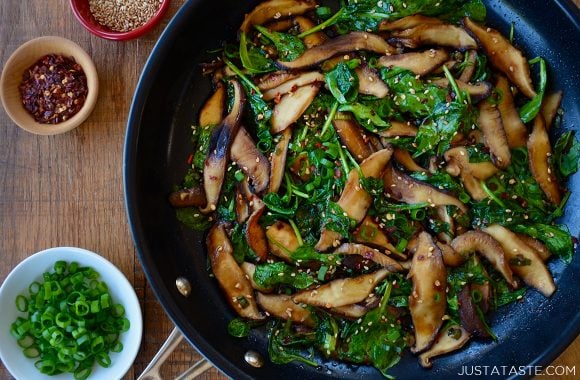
(406, 189)
(291, 106)
(254, 232)
(550, 107)
(540, 150)
(272, 80)
(353, 137)
(448, 340)
(282, 240)
(282, 306)
(469, 69)
(369, 232)
(536, 245)
(420, 63)
(400, 129)
(369, 81)
(504, 56)
(371, 254)
(488, 247)
(291, 85)
(515, 130)
(188, 198)
(249, 158)
(278, 161)
(404, 158)
(523, 260)
(476, 91)
(353, 311)
(354, 200)
(341, 292)
(408, 22)
(494, 136)
(274, 9)
(219, 147)
(469, 316)
(346, 43)
(212, 111)
(427, 302)
(230, 276)
(311, 40)
(471, 173)
(434, 34)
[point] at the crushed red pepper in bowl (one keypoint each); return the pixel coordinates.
(54, 89)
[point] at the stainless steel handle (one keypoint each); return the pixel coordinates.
(171, 343)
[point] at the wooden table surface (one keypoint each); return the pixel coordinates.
(67, 190)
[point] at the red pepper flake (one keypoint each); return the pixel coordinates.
(53, 89)
(190, 159)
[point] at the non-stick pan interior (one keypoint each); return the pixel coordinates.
(166, 102)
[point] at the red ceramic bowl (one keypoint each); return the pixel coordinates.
(82, 12)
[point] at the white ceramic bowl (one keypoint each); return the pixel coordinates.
(31, 269)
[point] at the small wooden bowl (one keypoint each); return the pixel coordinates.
(24, 57)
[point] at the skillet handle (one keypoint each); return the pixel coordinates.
(171, 343)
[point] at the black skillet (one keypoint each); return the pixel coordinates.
(165, 105)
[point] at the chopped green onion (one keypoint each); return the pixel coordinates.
(69, 322)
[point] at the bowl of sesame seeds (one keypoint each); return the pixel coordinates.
(119, 19)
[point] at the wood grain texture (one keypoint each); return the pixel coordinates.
(67, 190)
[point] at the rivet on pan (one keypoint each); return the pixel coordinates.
(254, 359)
(183, 286)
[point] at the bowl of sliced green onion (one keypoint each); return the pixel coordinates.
(68, 313)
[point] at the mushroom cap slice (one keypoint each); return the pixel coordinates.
(488, 247)
(404, 158)
(369, 253)
(212, 111)
(420, 63)
(369, 82)
(350, 311)
(504, 56)
(469, 69)
(188, 198)
(494, 136)
(515, 130)
(272, 80)
(341, 292)
(408, 22)
(219, 148)
(406, 189)
(291, 106)
(471, 173)
(398, 128)
(311, 40)
(539, 151)
(254, 232)
(550, 106)
(282, 240)
(428, 301)
(292, 84)
(524, 261)
(536, 245)
(230, 276)
(346, 43)
(354, 200)
(476, 91)
(448, 340)
(269, 10)
(470, 318)
(434, 34)
(278, 161)
(249, 158)
(353, 137)
(282, 306)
